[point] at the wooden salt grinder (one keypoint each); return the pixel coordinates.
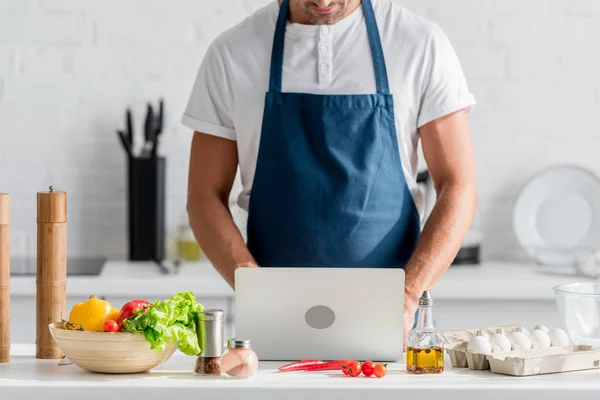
(51, 282)
(4, 278)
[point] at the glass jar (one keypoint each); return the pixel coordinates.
(239, 360)
(425, 345)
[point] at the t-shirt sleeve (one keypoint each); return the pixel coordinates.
(445, 88)
(209, 106)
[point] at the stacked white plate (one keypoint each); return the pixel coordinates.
(557, 216)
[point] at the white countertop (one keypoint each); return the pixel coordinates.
(27, 377)
(490, 280)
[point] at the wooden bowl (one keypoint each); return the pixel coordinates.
(110, 353)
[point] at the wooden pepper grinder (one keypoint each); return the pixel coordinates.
(4, 278)
(51, 282)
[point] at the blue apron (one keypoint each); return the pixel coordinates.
(329, 190)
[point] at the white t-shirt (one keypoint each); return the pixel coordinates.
(425, 77)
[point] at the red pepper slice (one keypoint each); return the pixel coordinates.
(299, 365)
(327, 366)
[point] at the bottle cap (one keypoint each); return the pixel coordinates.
(238, 344)
(426, 299)
(211, 315)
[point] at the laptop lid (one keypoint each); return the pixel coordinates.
(321, 313)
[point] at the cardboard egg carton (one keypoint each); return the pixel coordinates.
(459, 339)
(519, 362)
(545, 361)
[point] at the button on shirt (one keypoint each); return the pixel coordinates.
(426, 79)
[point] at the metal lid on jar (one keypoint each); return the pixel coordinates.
(238, 344)
(210, 332)
(211, 315)
(426, 299)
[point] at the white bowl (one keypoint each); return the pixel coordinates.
(111, 353)
(579, 308)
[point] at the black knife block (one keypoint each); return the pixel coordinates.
(146, 192)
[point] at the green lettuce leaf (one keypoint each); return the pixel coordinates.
(171, 320)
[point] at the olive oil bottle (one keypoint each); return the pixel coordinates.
(425, 346)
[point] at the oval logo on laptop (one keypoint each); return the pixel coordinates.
(320, 317)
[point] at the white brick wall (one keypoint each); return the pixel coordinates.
(68, 70)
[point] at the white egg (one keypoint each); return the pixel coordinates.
(539, 339)
(479, 333)
(543, 328)
(499, 342)
(479, 344)
(519, 341)
(523, 330)
(558, 337)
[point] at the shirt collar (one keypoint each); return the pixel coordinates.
(307, 30)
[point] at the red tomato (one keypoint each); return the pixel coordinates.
(127, 310)
(111, 326)
(380, 370)
(345, 371)
(368, 368)
(345, 366)
(354, 369)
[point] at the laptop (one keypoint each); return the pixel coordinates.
(321, 313)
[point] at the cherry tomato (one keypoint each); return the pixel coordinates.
(354, 369)
(345, 365)
(368, 368)
(345, 371)
(111, 326)
(380, 370)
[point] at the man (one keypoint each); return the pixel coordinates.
(328, 157)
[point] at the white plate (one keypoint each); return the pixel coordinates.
(557, 215)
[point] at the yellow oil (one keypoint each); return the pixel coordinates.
(188, 250)
(425, 361)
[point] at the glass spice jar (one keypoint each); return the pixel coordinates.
(239, 360)
(209, 326)
(208, 366)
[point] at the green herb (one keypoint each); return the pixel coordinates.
(171, 320)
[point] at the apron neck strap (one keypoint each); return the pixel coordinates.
(276, 77)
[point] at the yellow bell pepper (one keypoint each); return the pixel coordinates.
(91, 314)
(114, 314)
